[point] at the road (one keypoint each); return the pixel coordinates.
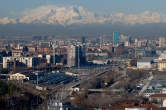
(146, 85)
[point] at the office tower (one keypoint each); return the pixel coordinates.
(82, 55)
(131, 40)
(76, 55)
(161, 42)
(116, 38)
(71, 55)
(83, 40)
(101, 41)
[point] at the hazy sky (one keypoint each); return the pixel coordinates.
(130, 13)
(12, 8)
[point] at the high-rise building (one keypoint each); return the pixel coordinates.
(101, 41)
(116, 38)
(71, 55)
(131, 40)
(83, 40)
(76, 55)
(161, 42)
(82, 55)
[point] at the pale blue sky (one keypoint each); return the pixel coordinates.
(12, 8)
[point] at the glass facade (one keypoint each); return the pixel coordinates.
(116, 37)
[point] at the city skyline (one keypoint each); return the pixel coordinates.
(82, 55)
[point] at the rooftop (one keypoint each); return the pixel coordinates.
(146, 59)
(158, 95)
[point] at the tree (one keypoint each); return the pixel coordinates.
(3, 88)
(11, 89)
(79, 100)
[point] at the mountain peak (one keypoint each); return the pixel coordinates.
(58, 15)
(67, 15)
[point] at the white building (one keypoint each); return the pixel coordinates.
(126, 43)
(162, 56)
(145, 63)
(99, 62)
(17, 53)
(55, 105)
(71, 74)
(161, 42)
(27, 61)
(40, 56)
(102, 54)
(18, 76)
(162, 61)
(48, 58)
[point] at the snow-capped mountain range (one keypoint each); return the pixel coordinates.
(67, 15)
